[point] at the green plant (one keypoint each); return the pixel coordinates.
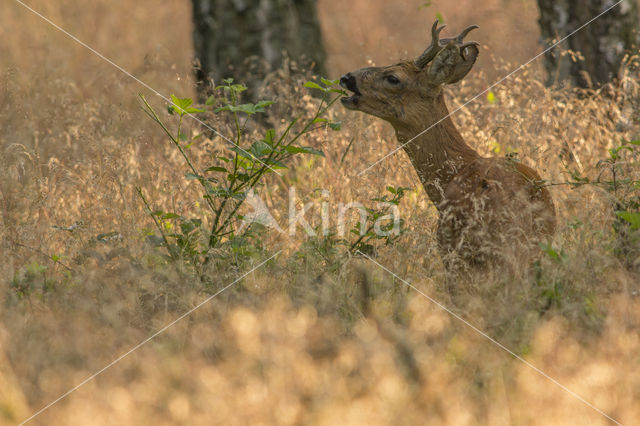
(618, 176)
(552, 288)
(382, 224)
(30, 279)
(227, 180)
(559, 289)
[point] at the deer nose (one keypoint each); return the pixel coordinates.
(348, 81)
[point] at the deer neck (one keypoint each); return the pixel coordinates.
(439, 153)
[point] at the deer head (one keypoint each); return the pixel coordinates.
(407, 93)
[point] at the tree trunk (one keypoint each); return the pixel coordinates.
(244, 39)
(596, 51)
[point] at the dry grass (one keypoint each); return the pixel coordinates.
(295, 342)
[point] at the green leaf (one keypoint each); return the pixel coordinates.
(260, 106)
(238, 88)
(218, 191)
(241, 152)
(187, 227)
(181, 104)
(275, 164)
(550, 251)
(239, 195)
(553, 253)
(312, 85)
(225, 108)
(242, 177)
(192, 176)
(248, 109)
(270, 137)
(210, 100)
(633, 218)
(170, 216)
(339, 91)
(336, 125)
(260, 149)
(216, 169)
(327, 82)
(303, 149)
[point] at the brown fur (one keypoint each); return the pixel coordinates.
(486, 205)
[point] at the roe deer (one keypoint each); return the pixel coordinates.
(485, 204)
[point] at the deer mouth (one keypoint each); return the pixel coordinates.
(349, 82)
(351, 102)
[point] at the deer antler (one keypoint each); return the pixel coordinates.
(460, 37)
(433, 49)
(437, 45)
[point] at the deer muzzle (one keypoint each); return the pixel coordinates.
(349, 82)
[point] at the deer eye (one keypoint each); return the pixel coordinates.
(392, 79)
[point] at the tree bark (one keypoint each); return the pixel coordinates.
(595, 52)
(245, 39)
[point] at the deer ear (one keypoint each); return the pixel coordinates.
(444, 64)
(469, 55)
(452, 63)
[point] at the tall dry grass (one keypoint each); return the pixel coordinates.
(295, 342)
